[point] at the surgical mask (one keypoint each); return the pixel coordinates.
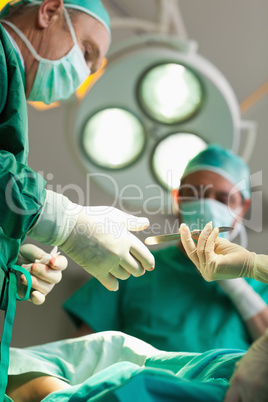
(56, 80)
(196, 214)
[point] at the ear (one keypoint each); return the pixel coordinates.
(245, 207)
(49, 11)
(175, 201)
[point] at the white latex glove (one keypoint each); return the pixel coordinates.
(217, 258)
(45, 270)
(250, 379)
(97, 238)
(102, 244)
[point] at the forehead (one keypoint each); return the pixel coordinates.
(90, 29)
(207, 178)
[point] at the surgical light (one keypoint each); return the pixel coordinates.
(170, 93)
(126, 166)
(172, 154)
(113, 138)
(178, 102)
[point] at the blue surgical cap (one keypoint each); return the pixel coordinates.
(90, 7)
(223, 162)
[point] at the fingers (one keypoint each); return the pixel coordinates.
(38, 284)
(137, 224)
(45, 273)
(202, 243)
(37, 298)
(131, 265)
(188, 243)
(141, 254)
(31, 252)
(59, 262)
(109, 281)
(210, 243)
(43, 280)
(120, 273)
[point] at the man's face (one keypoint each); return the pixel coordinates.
(55, 41)
(92, 38)
(207, 184)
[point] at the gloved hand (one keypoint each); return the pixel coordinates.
(96, 238)
(101, 244)
(45, 270)
(249, 381)
(217, 258)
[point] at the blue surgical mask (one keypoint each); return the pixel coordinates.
(56, 80)
(196, 214)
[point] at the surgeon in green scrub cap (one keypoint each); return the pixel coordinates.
(173, 308)
(47, 49)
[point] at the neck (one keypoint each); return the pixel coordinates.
(30, 63)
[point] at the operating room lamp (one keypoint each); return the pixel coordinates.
(158, 103)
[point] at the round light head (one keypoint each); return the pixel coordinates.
(113, 138)
(172, 154)
(170, 93)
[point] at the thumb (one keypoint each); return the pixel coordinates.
(135, 223)
(210, 246)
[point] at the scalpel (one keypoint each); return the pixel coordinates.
(176, 236)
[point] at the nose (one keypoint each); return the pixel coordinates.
(210, 194)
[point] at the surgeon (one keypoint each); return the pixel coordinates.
(173, 308)
(47, 49)
(218, 259)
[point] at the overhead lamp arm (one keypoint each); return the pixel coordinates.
(168, 17)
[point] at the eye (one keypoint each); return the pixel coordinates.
(188, 192)
(88, 52)
(224, 200)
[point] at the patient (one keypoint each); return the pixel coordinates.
(175, 309)
(112, 366)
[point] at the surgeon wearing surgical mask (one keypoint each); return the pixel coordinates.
(47, 49)
(215, 188)
(174, 308)
(48, 54)
(216, 258)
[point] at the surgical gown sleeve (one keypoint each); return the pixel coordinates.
(22, 191)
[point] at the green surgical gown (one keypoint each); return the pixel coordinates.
(173, 307)
(22, 191)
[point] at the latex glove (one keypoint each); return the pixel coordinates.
(45, 269)
(249, 381)
(102, 244)
(97, 238)
(217, 258)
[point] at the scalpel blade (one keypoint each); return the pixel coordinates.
(176, 236)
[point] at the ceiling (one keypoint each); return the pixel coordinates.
(233, 36)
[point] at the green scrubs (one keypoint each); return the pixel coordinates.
(22, 192)
(112, 366)
(173, 307)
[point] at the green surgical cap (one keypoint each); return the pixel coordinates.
(90, 7)
(223, 162)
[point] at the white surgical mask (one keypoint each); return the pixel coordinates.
(56, 80)
(196, 214)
